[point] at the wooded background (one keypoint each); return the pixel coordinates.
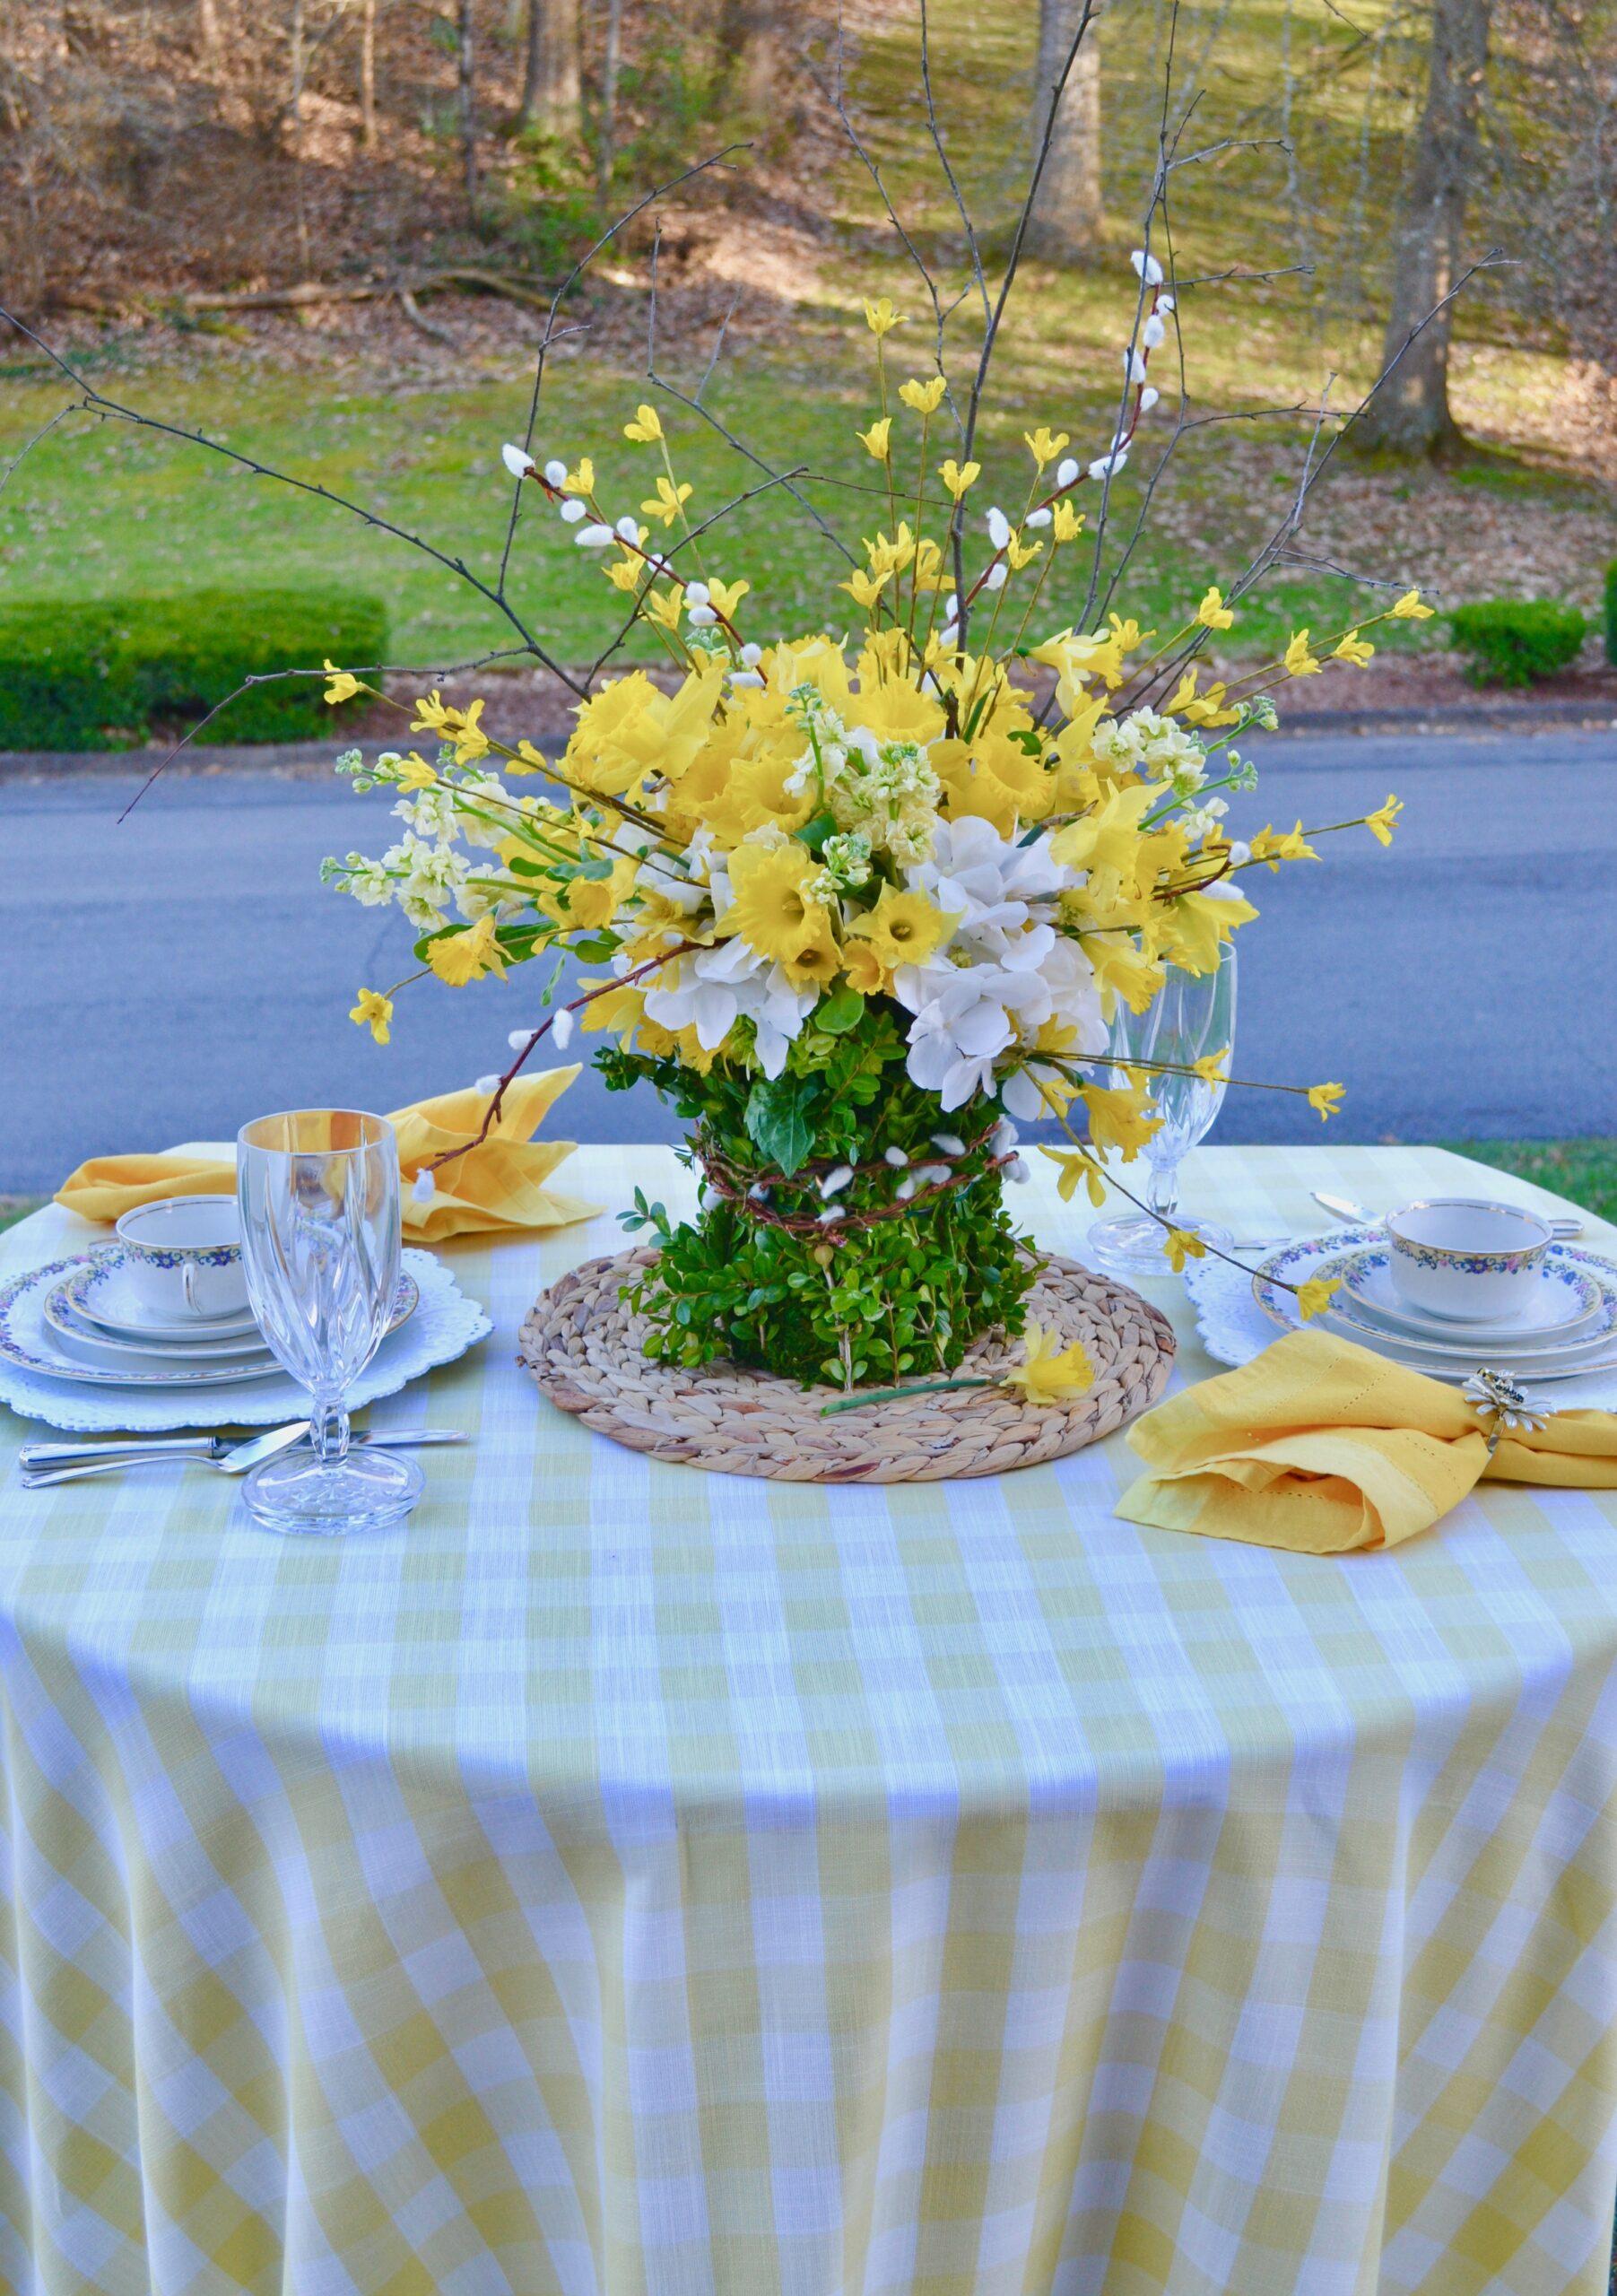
(219, 150)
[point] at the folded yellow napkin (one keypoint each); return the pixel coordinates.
(497, 1189)
(1321, 1446)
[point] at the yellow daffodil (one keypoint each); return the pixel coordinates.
(877, 440)
(1380, 823)
(864, 589)
(1315, 1296)
(1077, 1170)
(1299, 661)
(343, 684)
(1213, 613)
(1211, 1068)
(646, 429)
(581, 480)
(925, 398)
(373, 1012)
(725, 598)
(772, 912)
(1179, 1244)
(415, 774)
(1044, 443)
(1049, 1373)
(667, 501)
(1354, 648)
(462, 957)
(903, 929)
(1325, 1099)
(1273, 846)
(1065, 523)
(881, 317)
(958, 476)
(1409, 608)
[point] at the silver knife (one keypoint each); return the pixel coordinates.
(46, 1462)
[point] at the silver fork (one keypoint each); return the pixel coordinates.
(44, 1463)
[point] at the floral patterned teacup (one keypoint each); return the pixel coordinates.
(183, 1258)
(1464, 1259)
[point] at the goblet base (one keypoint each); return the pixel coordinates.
(1133, 1247)
(364, 1490)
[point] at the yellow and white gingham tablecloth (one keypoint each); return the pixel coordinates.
(625, 1882)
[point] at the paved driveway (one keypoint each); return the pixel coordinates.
(172, 977)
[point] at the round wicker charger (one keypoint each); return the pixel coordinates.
(586, 1348)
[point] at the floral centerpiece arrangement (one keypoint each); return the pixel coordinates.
(859, 905)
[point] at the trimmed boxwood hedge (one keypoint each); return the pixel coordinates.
(1513, 641)
(98, 673)
(1610, 612)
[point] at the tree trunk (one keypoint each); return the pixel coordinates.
(465, 60)
(368, 74)
(610, 59)
(207, 27)
(550, 90)
(1410, 413)
(749, 37)
(1065, 226)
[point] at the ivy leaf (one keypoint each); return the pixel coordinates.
(841, 1011)
(777, 1121)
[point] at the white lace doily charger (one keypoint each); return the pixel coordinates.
(1234, 1328)
(443, 1327)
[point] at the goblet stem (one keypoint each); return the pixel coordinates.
(1164, 1193)
(328, 1432)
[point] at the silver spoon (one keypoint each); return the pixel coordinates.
(235, 1458)
(1346, 1209)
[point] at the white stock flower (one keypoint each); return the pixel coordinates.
(368, 881)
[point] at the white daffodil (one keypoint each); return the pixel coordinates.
(712, 989)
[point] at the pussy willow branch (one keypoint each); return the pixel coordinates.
(96, 403)
(29, 445)
(974, 251)
(995, 319)
(686, 174)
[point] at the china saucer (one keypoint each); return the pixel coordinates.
(75, 1329)
(1595, 1328)
(101, 1290)
(1566, 1296)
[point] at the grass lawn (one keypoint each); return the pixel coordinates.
(14, 1208)
(1583, 1170)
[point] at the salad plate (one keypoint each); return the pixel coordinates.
(100, 1290)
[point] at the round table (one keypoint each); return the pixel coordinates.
(626, 1879)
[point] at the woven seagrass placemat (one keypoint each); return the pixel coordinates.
(586, 1348)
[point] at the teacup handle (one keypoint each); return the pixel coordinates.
(187, 1284)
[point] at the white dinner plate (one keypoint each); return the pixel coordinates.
(1564, 1359)
(28, 1341)
(1595, 1321)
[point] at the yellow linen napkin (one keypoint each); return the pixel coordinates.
(495, 1190)
(1320, 1447)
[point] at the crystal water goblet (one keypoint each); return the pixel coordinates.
(1193, 1015)
(320, 1244)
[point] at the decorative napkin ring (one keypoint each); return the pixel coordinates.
(1501, 1402)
